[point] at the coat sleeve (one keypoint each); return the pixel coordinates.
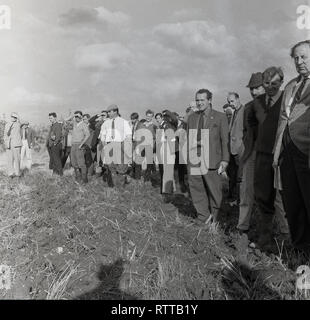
(224, 138)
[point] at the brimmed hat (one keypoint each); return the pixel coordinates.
(112, 107)
(256, 80)
(14, 115)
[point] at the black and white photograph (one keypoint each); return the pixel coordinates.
(154, 150)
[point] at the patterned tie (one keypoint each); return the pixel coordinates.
(298, 94)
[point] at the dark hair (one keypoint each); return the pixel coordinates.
(233, 94)
(188, 109)
(206, 91)
(134, 116)
(149, 111)
(79, 112)
(271, 71)
(158, 114)
(297, 45)
(142, 120)
(226, 105)
(86, 115)
(52, 114)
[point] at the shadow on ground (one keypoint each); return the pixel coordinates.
(109, 277)
(241, 283)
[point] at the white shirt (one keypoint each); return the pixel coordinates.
(122, 130)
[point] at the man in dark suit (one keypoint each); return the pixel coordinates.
(208, 156)
(235, 146)
(292, 148)
(265, 115)
(54, 144)
(248, 157)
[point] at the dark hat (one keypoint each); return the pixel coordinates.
(256, 80)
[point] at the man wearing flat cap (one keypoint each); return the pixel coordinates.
(248, 157)
(115, 136)
(13, 144)
(80, 135)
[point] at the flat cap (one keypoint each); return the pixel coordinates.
(256, 80)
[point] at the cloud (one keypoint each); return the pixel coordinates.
(94, 16)
(198, 38)
(187, 13)
(20, 96)
(102, 56)
(116, 18)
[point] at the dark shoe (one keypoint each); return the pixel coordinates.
(183, 188)
(78, 175)
(84, 175)
(266, 240)
(167, 197)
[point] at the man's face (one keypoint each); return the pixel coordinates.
(112, 114)
(52, 119)
(159, 119)
(134, 121)
(233, 102)
(272, 84)
(149, 117)
(85, 120)
(302, 59)
(78, 118)
(202, 102)
(257, 91)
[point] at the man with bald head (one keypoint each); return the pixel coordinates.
(292, 148)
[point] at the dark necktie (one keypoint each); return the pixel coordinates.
(200, 125)
(10, 130)
(269, 102)
(298, 94)
(113, 129)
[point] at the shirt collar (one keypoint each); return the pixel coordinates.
(275, 98)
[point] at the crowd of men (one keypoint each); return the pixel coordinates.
(263, 147)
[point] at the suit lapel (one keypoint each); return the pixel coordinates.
(306, 92)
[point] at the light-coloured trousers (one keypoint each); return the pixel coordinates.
(25, 156)
(13, 161)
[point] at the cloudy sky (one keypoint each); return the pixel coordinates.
(75, 54)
